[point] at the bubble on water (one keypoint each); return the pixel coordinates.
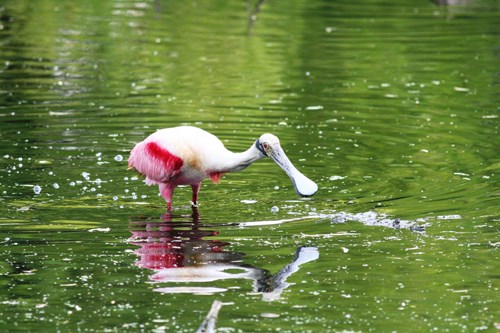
(37, 189)
(276, 188)
(98, 181)
(248, 201)
(269, 315)
(86, 175)
(98, 155)
(55, 185)
(275, 209)
(118, 158)
(71, 183)
(115, 198)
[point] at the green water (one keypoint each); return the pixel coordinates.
(391, 107)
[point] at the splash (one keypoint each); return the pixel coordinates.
(369, 218)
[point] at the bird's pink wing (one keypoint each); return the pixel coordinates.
(154, 161)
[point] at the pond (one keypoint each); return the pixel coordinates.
(391, 108)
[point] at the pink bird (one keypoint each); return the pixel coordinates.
(186, 155)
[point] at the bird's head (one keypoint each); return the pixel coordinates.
(269, 145)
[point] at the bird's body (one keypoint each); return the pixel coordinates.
(186, 155)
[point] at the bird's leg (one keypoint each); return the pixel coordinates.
(196, 189)
(195, 215)
(167, 192)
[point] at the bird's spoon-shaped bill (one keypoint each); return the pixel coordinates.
(303, 185)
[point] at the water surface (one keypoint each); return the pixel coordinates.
(391, 108)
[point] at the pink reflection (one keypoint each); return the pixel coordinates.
(165, 244)
(177, 251)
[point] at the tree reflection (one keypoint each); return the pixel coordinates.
(176, 250)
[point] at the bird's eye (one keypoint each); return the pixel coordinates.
(265, 146)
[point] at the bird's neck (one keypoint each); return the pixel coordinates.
(239, 161)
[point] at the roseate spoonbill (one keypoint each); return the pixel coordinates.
(186, 155)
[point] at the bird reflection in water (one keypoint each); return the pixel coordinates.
(176, 250)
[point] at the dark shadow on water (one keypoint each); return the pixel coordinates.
(253, 10)
(176, 249)
(453, 2)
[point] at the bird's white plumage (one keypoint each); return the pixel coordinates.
(186, 155)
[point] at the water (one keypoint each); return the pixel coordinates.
(391, 108)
